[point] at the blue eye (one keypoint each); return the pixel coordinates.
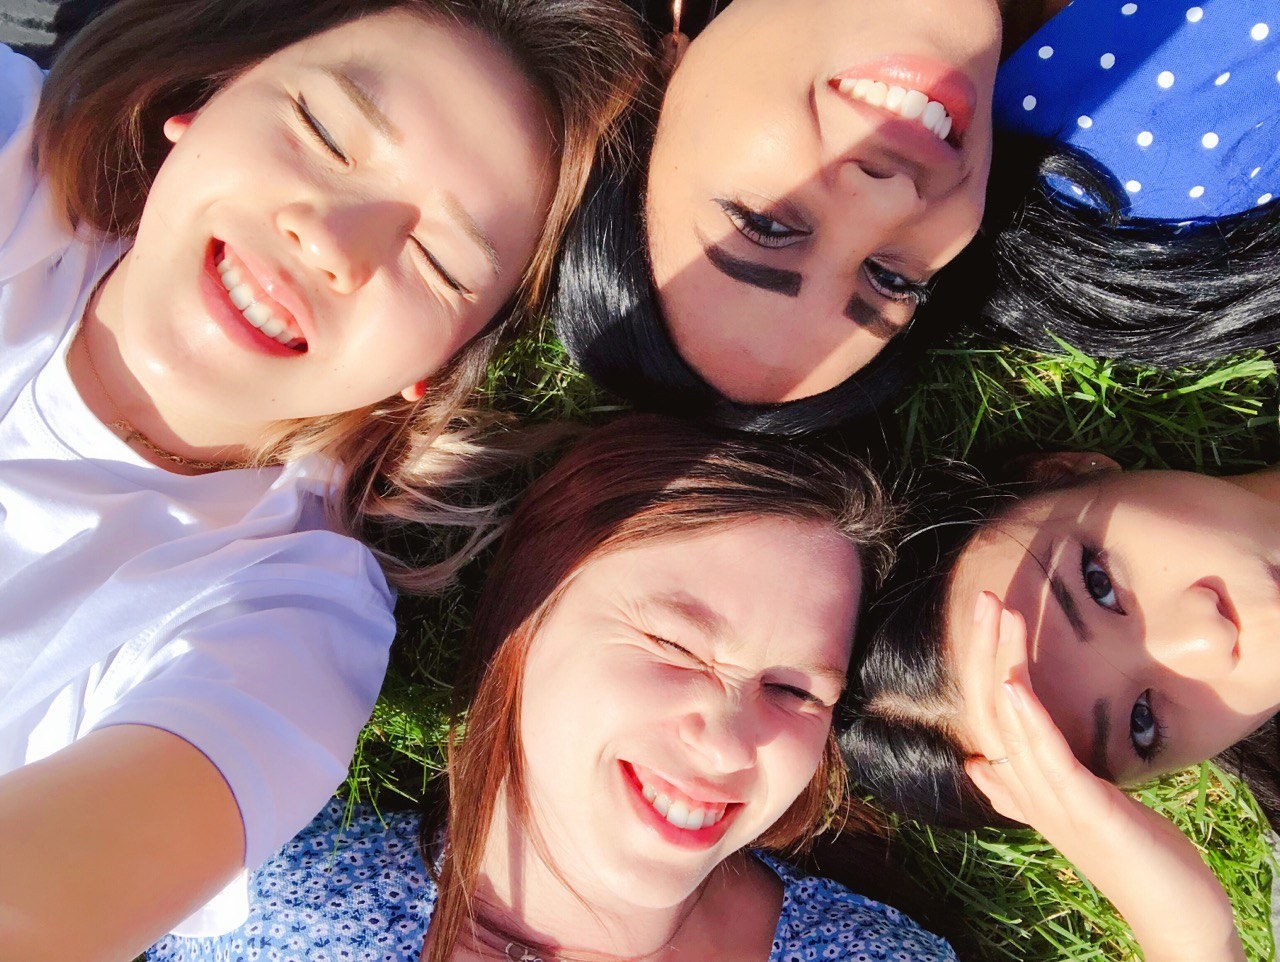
(1097, 581)
(760, 228)
(1145, 732)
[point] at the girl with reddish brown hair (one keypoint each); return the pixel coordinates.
(666, 634)
(254, 257)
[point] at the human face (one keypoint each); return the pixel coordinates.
(702, 669)
(1152, 602)
(792, 224)
(376, 192)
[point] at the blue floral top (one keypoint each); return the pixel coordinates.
(359, 892)
(1178, 99)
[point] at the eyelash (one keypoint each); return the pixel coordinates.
(1147, 752)
(317, 130)
(1091, 556)
(755, 225)
(789, 690)
(326, 141)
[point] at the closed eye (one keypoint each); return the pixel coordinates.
(450, 281)
(800, 694)
(676, 649)
(318, 131)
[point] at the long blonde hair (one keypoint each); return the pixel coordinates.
(99, 144)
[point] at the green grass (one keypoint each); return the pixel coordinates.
(1019, 899)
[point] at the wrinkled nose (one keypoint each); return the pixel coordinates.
(723, 735)
(1195, 636)
(344, 245)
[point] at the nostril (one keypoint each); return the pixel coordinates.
(876, 171)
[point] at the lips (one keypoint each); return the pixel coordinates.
(247, 292)
(933, 95)
(691, 817)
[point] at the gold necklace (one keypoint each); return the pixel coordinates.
(131, 435)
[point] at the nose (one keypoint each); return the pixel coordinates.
(722, 733)
(883, 194)
(1195, 635)
(345, 244)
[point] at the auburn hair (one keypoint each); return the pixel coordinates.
(641, 479)
(99, 142)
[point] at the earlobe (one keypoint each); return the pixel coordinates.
(177, 125)
(1060, 465)
(415, 392)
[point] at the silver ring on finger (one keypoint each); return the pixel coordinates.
(1002, 760)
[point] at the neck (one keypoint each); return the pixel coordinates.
(572, 917)
(99, 367)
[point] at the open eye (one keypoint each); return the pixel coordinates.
(1145, 732)
(893, 286)
(1097, 581)
(317, 130)
(760, 228)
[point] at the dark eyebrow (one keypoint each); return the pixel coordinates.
(1098, 749)
(870, 317)
(364, 103)
(775, 279)
(1070, 609)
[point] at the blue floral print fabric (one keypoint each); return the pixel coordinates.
(357, 890)
(1178, 99)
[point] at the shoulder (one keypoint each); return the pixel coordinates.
(823, 918)
(350, 880)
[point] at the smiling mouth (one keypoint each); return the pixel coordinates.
(677, 808)
(904, 102)
(267, 317)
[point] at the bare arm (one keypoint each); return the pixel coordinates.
(110, 842)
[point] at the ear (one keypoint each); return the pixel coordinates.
(177, 125)
(1060, 465)
(671, 50)
(983, 774)
(415, 392)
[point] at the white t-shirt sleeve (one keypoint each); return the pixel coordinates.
(272, 680)
(30, 229)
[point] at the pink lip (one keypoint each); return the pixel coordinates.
(233, 323)
(698, 839)
(696, 791)
(938, 81)
(279, 288)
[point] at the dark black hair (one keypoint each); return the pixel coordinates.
(897, 734)
(606, 312)
(898, 738)
(1154, 292)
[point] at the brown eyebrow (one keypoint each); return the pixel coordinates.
(1070, 609)
(459, 215)
(364, 103)
(774, 279)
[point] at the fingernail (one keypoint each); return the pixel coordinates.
(1014, 696)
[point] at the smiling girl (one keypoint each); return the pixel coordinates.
(253, 259)
(667, 630)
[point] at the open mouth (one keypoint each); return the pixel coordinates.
(265, 314)
(906, 102)
(700, 818)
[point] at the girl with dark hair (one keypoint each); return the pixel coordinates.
(663, 639)
(1039, 644)
(759, 259)
(253, 261)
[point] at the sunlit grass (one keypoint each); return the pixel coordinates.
(1018, 899)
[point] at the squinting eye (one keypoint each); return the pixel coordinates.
(317, 130)
(1144, 728)
(1097, 581)
(760, 228)
(799, 694)
(894, 286)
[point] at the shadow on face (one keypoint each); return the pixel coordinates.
(816, 163)
(1152, 601)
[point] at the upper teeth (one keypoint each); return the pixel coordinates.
(241, 296)
(903, 101)
(680, 814)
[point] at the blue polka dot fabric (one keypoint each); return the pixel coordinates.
(357, 891)
(1178, 100)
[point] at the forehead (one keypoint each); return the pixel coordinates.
(773, 580)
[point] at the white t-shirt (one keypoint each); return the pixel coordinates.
(218, 607)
